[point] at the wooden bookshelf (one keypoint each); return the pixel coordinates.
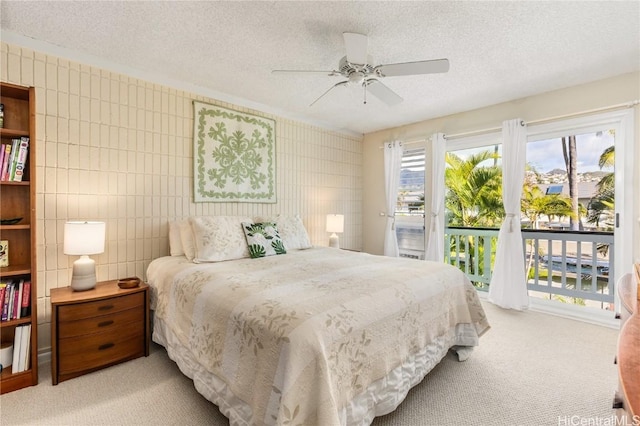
(17, 199)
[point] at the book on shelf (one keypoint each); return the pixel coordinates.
(5, 302)
(14, 159)
(16, 299)
(25, 308)
(9, 303)
(15, 145)
(3, 290)
(2, 153)
(17, 304)
(5, 162)
(24, 347)
(21, 159)
(17, 342)
(21, 348)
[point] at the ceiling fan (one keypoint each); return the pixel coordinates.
(358, 69)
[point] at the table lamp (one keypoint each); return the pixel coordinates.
(335, 223)
(82, 239)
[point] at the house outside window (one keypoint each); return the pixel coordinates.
(410, 205)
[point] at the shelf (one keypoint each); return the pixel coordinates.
(15, 183)
(11, 381)
(14, 270)
(15, 322)
(13, 133)
(14, 227)
(7, 372)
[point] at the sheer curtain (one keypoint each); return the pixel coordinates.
(392, 165)
(508, 287)
(435, 241)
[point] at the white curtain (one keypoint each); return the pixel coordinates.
(508, 287)
(392, 165)
(435, 241)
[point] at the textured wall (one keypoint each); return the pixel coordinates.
(115, 148)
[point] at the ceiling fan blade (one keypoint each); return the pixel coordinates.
(329, 73)
(413, 68)
(356, 46)
(342, 83)
(382, 92)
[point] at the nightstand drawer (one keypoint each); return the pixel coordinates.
(102, 323)
(91, 351)
(100, 307)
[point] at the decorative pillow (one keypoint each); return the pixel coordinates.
(175, 244)
(293, 233)
(263, 239)
(219, 238)
(186, 238)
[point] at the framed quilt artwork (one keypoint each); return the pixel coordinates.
(234, 156)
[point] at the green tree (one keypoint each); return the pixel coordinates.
(535, 204)
(601, 206)
(474, 199)
(474, 196)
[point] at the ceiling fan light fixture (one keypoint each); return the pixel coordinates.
(356, 78)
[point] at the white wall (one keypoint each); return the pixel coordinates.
(116, 148)
(612, 91)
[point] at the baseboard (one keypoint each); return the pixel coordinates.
(44, 356)
(578, 313)
(569, 311)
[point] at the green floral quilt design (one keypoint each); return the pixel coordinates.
(234, 156)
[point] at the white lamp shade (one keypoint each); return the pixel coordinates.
(335, 223)
(82, 238)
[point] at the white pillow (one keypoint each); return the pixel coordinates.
(186, 238)
(219, 238)
(292, 232)
(175, 243)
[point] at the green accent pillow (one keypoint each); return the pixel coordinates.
(263, 239)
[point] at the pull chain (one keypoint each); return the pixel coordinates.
(364, 84)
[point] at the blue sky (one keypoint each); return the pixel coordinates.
(547, 155)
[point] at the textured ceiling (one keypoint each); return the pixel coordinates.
(498, 51)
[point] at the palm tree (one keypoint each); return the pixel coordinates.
(571, 164)
(535, 204)
(474, 199)
(601, 209)
(607, 159)
(601, 206)
(474, 196)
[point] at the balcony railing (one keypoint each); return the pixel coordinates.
(559, 264)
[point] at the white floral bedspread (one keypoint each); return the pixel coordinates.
(312, 336)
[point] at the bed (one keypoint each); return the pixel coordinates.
(319, 336)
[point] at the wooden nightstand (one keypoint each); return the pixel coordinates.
(97, 328)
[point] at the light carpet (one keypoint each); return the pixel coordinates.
(530, 369)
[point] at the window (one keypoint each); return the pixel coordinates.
(554, 190)
(410, 204)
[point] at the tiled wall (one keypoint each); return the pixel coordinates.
(115, 148)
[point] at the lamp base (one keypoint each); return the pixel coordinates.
(84, 274)
(334, 241)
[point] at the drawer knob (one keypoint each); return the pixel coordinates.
(105, 323)
(105, 307)
(106, 346)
